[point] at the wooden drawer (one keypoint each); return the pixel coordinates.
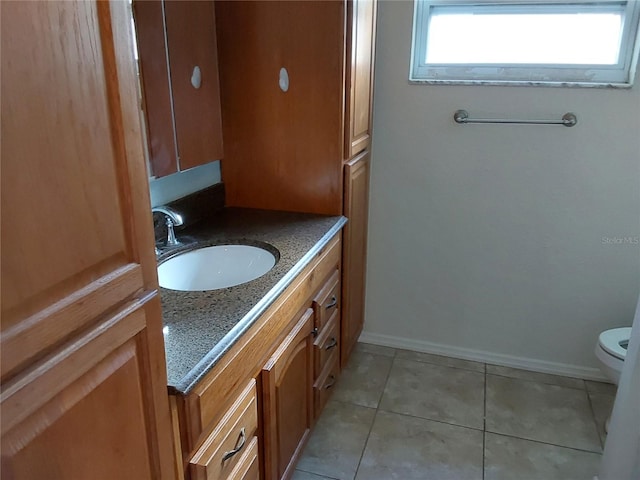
(327, 301)
(326, 343)
(222, 451)
(323, 387)
(248, 467)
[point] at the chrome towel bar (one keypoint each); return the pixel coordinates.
(568, 120)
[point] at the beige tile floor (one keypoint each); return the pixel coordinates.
(404, 415)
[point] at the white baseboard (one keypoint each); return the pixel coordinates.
(524, 363)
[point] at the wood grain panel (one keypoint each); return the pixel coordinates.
(282, 150)
(361, 52)
(35, 335)
(59, 421)
(191, 36)
(356, 209)
(287, 381)
(75, 208)
(59, 196)
(177, 439)
(154, 73)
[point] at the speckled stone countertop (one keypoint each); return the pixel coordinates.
(200, 327)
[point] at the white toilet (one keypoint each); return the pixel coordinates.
(611, 350)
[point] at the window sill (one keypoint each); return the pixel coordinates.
(517, 83)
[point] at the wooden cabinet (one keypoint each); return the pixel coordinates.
(306, 148)
(82, 413)
(360, 55)
(83, 371)
(179, 71)
(358, 124)
(356, 205)
(287, 381)
(284, 149)
(278, 351)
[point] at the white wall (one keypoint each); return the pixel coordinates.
(492, 242)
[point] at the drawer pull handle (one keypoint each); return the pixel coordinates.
(231, 453)
(314, 332)
(332, 303)
(332, 344)
(332, 382)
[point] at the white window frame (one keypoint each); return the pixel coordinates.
(620, 75)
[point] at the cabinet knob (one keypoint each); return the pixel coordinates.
(283, 79)
(196, 77)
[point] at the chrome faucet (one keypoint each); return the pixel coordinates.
(173, 219)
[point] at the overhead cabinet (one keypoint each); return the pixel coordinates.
(359, 79)
(178, 60)
(296, 83)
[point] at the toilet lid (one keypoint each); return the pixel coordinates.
(615, 341)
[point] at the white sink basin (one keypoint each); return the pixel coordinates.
(210, 268)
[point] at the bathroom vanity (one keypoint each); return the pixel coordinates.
(250, 367)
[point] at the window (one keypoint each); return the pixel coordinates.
(530, 42)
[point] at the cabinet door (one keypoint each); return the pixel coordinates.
(287, 381)
(76, 246)
(156, 89)
(360, 50)
(282, 149)
(86, 411)
(184, 123)
(354, 257)
(191, 37)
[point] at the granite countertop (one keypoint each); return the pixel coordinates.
(200, 327)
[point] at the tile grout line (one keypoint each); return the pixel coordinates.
(315, 474)
(484, 416)
(364, 448)
(442, 422)
(484, 423)
(545, 443)
(593, 416)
